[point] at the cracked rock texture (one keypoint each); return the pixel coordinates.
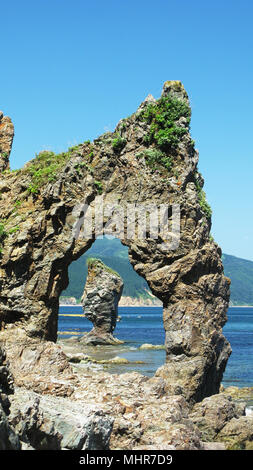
(51, 423)
(102, 410)
(8, 438)
(100, 300)
(149, 159)
(6, 139)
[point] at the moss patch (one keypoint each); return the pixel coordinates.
(94, 263)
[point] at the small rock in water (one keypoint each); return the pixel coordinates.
(152, 346)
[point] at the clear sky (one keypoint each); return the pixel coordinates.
(71, 69)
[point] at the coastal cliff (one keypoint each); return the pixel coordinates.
(150, 159)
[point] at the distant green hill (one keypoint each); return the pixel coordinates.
(240, 271)
(115, 255)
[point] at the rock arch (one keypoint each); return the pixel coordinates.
(134, 165)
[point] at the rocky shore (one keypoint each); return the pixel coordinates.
(78, 407)
(54, 398)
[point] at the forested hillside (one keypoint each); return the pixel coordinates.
(240, 271)
(115, 255)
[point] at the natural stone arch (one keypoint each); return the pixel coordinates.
(39, 243)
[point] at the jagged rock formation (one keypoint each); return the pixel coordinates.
(6, 382)
(6, 138)
(127, 411)
(53, 423)
(40, 366)
(100, 300)
(149, 159)
(8, 438)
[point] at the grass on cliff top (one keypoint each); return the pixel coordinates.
(46, 166)
(94, 262)
(164, 131)
(162, 116)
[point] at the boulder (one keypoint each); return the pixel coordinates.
(51, 423)
(40, 366)
(213, 413)
(237, 434)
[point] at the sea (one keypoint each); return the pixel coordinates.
(142, 325)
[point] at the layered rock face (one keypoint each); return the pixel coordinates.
(6, 138)
(100, 300)
(8, 438)
(149, 160)
(53, 423)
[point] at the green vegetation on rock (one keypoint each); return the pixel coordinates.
(155, 159)
(95, 262)
(44, 169)
(4, 233)
(118, 144)
(46, 166)
(204, 204)
(163, 117)
(99, 186)
(206, 208)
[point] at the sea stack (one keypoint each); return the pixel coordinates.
(100, 300)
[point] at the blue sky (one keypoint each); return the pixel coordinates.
(71, 70)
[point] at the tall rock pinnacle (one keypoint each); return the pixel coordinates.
(100, 300)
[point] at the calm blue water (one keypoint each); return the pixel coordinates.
(144, 325)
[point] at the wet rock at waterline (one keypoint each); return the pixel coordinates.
(100, 300)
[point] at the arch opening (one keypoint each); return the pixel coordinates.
(150, 159)
(139, 327)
